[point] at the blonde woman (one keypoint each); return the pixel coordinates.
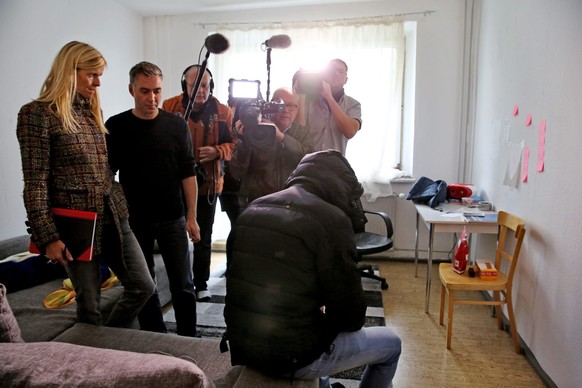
(64, 164)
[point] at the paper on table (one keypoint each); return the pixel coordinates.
(453, 214)
(486, 217)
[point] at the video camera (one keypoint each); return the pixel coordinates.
(245, 96)
(309, 82)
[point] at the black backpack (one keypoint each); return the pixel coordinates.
(429, 192)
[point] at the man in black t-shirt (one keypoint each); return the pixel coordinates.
(152, 151)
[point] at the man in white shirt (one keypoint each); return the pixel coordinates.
(333, 116)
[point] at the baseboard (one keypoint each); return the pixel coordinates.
(406, 255)
(219, 246)
(529, 356)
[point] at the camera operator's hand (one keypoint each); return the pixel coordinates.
(326, 91)
(207, 153)
(296, 87)
(278, 134)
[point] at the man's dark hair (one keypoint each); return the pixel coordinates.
(337, 60)
(146, 68)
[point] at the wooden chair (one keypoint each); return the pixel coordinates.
(368, 243)
(511, 234)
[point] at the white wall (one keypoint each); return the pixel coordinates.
(530, 54)
(31, 33)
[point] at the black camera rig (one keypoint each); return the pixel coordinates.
(245, 96)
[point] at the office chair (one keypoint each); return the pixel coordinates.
(511, 234)
(368, 243)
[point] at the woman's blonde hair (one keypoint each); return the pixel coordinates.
(60, 86)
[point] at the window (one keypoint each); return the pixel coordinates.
(374, 51)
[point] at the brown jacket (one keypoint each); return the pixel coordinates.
(219, 136)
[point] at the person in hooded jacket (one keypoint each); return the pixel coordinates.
(295, 305)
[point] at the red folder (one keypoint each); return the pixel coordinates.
(77, 231)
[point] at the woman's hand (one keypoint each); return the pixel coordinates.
(57, 251)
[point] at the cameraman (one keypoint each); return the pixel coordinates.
(264, 169)
(333, 116)
(209, 123)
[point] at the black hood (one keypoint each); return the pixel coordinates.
(328, 175)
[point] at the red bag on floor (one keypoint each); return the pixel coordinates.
(461, 254)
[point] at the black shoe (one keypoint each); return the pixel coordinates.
(338, 385)
(203, 296)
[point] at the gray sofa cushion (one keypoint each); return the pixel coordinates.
(14, 245)
(38, 323)
(59, 364)
(9, 329)
(204, 352)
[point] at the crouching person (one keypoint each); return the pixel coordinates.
(295, 304)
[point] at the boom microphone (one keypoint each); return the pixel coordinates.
(216, 43)
(278, 41)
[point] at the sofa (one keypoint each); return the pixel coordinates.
(47, 347)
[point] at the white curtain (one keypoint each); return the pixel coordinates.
(374, 52)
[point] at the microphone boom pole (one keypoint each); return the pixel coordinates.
(268, 73)
(276, 41)
(199, 76)
(216, 44)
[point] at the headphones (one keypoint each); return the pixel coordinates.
(184, 89)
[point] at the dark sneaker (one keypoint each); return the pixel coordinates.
(203, 296)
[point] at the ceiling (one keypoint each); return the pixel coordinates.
(177, 7)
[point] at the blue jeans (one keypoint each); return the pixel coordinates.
(376, 347)
(126, 260)
(172, 240)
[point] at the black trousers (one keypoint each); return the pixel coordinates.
(203, 249)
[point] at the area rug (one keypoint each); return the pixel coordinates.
(210, 319)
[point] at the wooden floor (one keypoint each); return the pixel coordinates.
(481, 355)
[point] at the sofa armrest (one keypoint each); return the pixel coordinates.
(51, 363)
(204, 352)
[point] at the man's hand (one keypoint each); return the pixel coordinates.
(207, 153)
(193, 230)
(240, 128)
(326, 91)
(278, 134)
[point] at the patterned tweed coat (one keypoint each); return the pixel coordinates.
(66, 170)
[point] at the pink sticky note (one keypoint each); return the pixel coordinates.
(528, 119)
(515, 110)
(541, 146)
(524, 164)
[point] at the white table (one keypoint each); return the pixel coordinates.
(446, 218)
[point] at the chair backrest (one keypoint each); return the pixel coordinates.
(368, 242)
(511, 234)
